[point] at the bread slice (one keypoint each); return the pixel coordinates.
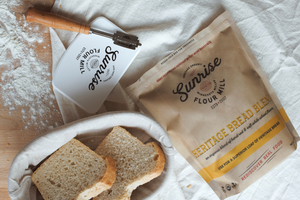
(137, 163)
(74, 172)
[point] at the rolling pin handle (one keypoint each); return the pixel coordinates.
(55, 21)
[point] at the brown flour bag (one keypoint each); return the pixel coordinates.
(218, 108)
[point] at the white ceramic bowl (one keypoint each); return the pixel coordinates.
(91, 131)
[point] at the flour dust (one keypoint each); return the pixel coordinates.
(25, 80)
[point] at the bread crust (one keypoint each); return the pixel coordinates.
(111, 171)
(160, 164)
(104, 182)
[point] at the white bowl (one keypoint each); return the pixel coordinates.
(91, 131)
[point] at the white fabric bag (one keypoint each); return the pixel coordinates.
(90, 131)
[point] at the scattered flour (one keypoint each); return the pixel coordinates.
(25, 80)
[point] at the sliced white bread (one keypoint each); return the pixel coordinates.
(137, 163)
(74, 172)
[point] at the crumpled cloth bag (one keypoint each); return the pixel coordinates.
(90, 131)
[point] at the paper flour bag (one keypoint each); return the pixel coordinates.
(218, 108)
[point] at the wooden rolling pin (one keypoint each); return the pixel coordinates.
(55, 21)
